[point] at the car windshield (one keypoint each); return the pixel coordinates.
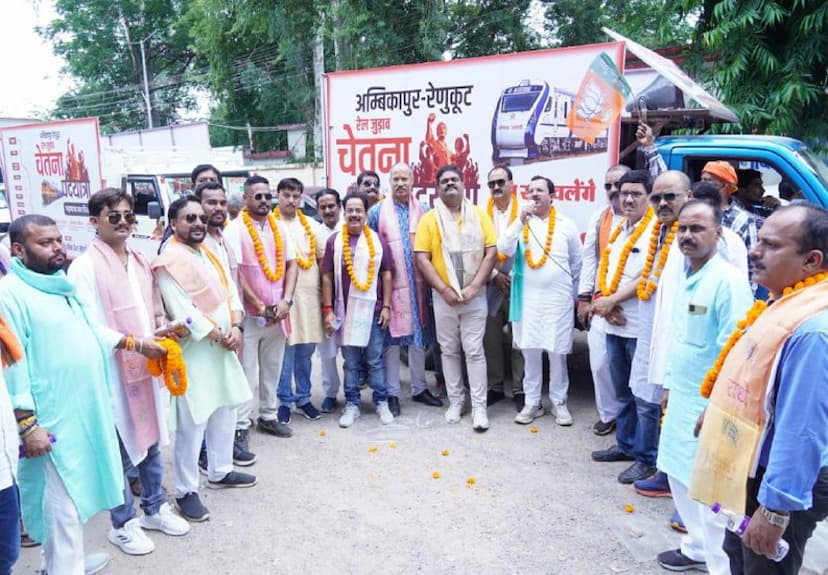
(817, 165)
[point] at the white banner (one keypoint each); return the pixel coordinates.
(507, 110)
(52, 168)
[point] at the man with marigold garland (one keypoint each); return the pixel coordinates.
(709, 296)
(118, 288)
(306, 313)
(546, 248)
(356, 296)
(503, 207)
(619, 271)
(267, 266)
(763, 448)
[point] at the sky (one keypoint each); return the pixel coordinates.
(29, 72)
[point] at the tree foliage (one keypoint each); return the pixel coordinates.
(100, 41)
(769, 60)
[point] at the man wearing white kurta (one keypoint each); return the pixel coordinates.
(618, 273)
(117, 287)
(547, 258)
(194, 284)
(600, 226)
(711, 296)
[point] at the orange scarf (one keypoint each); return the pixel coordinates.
(10, 349)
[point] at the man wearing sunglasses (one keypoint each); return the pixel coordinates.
(503, 208)
(194, 284)
(118, 288)
(368, 183)
(268, 280)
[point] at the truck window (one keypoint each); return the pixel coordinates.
(143, 192)
(773, 182)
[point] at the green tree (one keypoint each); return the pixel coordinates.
(100, 41)
(486, 27)
(769, 60)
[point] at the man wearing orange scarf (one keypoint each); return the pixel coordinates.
(763, 448)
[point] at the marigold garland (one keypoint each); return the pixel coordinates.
(259, 248)
(512, 216)
(759, 306)
(349, 262)
(303, 263)
(547, 246)
(172, 366)
(646, 286)
(603, 267)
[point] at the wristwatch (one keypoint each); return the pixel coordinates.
(289, 302)
(238, 325)
(777, 518)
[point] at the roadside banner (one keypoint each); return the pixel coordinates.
(52, 168)
(511, 110)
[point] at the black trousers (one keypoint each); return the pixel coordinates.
(743, 561)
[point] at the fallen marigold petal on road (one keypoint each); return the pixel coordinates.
(435, 475)
(629, 508)
(393, 445)
(444, 453)
(470, 481)
(533, 429)
(372, 449)
(323, 433)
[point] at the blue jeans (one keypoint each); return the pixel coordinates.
(370, 357)
(636, 431)
(9, 528)
(296, 365)
(151, 471)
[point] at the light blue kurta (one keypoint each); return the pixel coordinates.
(707, 306)
(63, 378)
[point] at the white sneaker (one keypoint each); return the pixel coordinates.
(385, 415)
(454, 412)
(95, 562)
(528, 414)
(349, 415)
(131, 539)
(166, 521)
(561, 413)
(480, 421)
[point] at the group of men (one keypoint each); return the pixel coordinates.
(659, 282)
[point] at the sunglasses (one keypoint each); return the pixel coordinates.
(655, 199)
(115, 217)
(608, 187)
(497, 184)
(260, 196)
(191, 218)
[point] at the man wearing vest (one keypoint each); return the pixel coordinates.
(195, 284)
(395, 219)
(763, 448)
(597, 236)
(455, 251)
(267, 266)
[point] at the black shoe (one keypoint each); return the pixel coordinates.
(635, 472)
(309, 411)
(601, 428)
(191, 508)
(520, 401)
(493, 397)
(242, 456)
(611, 454)
(274, 427)
(394, 405)
(675, 560)
(427, 398)
(233, 479)
(202, 459)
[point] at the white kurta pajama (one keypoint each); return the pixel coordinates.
(216, 384)
(545, 298)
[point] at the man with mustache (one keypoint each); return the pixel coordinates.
(195, 284)
(395, 219)
(546, 247)
(619, 272)
(503, 209)
(368, 183)
(117, 286)
(305, 310)
(763, 447)
(267, 266)
(356, 292)
(455, 251)
(64, 484)
(711, 296)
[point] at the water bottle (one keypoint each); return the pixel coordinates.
(738, 524)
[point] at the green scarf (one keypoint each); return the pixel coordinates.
(56, 283)
(516, 291)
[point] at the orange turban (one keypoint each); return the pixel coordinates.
(723, 171)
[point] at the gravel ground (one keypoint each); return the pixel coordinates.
(364, 500)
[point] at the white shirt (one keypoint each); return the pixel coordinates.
(9, 442)
(589, 261)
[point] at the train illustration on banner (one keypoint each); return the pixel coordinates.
(529, 124)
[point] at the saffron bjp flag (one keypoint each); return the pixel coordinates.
(600, 99)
